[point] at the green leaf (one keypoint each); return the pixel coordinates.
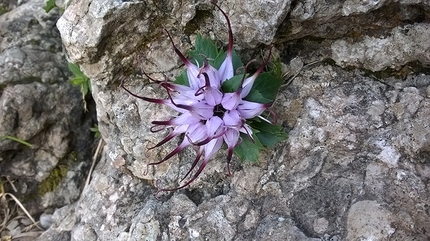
(15, 139)
(265, 88)
(203, 48)
(219, 59)
(268, 134)
(237, 62)
(96, 131)
(85, 87)
(232, 84)
(78, 81)
(50, 4)
(276, 67)
(182, 78)
(76, 70)
(247, 149)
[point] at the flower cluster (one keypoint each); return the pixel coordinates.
(217, 106)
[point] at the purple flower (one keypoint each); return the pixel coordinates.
(208, 117)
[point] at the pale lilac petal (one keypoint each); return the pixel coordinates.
(247, 85)
(212, 96)
(230, 101)
(213, 75)
(181, 91)
(196, 133)
(226, 69)
(231, 138)
(183, 119)
(249, 82)
(195, 80)
(247, 130)
(202, 110)
(232, 119)
(213, 147)
(248, 109)
(214, 126)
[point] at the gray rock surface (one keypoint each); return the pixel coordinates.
(356, 165)
(40, 106)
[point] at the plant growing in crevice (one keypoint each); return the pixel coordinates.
(81, 80)
(218, 106)
(16, 140)
(96, 131)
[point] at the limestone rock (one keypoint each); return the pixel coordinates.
(40, 106)
(359, 140)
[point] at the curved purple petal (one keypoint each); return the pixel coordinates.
(248, 109)
(212, 147)
(176, 131)
(232, 119)
(181, 146)
(213, 96)
(226, 70)
(195, 80)
(183, 119)
(230, 101)
(231, 138)
(249, 82)
(212, 75)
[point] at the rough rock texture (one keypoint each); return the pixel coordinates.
(356, 165)
(40, 106)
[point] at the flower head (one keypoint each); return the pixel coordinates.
(208, 115)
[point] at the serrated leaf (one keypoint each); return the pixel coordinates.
(203, 48)
(182, 79)
(219, 59)
(265, 88)
(247, 149)
(232, 84)
(268, 134)
(50, 4)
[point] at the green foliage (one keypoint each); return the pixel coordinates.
(265, 88)
(96, 131)
(232, 84)
(50, 4)
(268, 134)
(275, 66)
(81, 80)
(182, 78)
(15, 139)
(265, 135)
(206, 49)
(248, 149)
